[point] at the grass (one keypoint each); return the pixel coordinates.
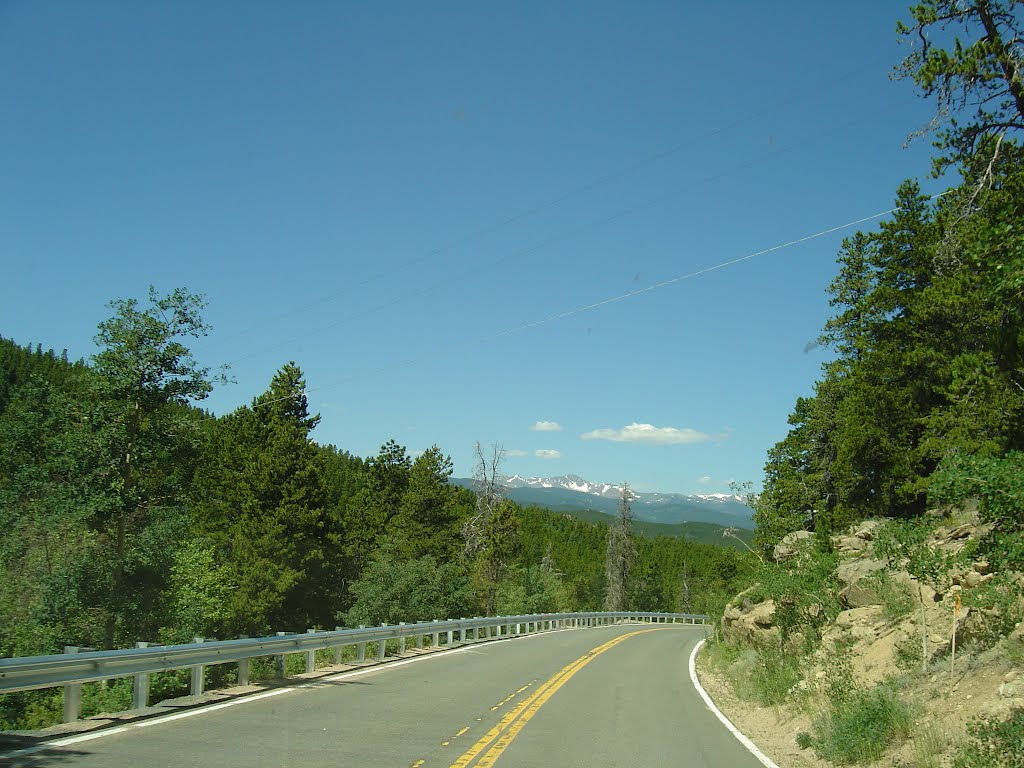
(861, 727)
(929, 743)
(765, 676)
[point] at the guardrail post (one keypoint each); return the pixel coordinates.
(310, 655)
(433, 638)
(279, 660)
(401, 640)
(338, 649)
(72, 694)
(243, 668)
(140, 686)
(450, 634)
(381, 647)
(361, 649)
(419, 637)
(197, 673)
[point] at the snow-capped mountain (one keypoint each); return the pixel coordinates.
(572, 492)
(567, 482)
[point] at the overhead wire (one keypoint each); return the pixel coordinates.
(593, 306)
(776, 105)
(448, 281)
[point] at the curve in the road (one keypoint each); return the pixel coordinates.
(765, 760)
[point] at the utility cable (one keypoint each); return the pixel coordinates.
(589, 186)
(443, 351)
(603, 221)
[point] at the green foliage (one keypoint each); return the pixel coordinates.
(391, 591)
(896, 600)
(857, 724)
(994, 743)
(997, 483)
(997, 607)
(532, 589)
(860, 726)
(805, 592)
(198, 593)
(977, 81)
(767, 676)
(905, 545)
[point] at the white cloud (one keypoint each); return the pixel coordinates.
(545, 453)
(648, 433)
(704, 480)
(512, 452)
(547, 426)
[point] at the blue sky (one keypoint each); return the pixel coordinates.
(394, 194)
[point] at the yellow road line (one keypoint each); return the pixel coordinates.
(500, 736)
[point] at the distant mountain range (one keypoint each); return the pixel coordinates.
(571, 493)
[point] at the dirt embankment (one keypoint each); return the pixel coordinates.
(945, 646)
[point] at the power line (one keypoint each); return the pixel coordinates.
(443, 351)
(589, 186)
(605, 220)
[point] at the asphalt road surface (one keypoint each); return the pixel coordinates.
(610, 696)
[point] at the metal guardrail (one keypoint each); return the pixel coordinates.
(77, 666)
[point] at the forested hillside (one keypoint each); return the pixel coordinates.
(922, 401)
(891, 525)
(131, 514)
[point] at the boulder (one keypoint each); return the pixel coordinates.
(850, 572)
(865, 529)
(791, 545)
(849, 544)
(750, 623)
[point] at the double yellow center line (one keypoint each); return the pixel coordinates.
(493, 743)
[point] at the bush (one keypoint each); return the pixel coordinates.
(997, 483)
(861, 726)
(994, 743)
(895, 599)
(390, 591)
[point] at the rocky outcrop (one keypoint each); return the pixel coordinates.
(791, 545)
(750, 622)
(850, 574)
(857, 539)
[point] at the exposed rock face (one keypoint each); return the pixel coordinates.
(750, 622)
(953, 539)
(858, 592)
(857, 539)
(791, 545)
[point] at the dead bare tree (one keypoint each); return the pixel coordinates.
(620, 555)
(490, 491)
(491, 535)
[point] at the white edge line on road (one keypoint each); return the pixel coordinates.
(201, 710)
(765, 760)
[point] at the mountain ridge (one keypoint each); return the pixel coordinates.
(566, 493)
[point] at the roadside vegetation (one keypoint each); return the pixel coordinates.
(130, 514)
(889, 592)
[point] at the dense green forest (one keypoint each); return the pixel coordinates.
(921, 403)
(131, 514)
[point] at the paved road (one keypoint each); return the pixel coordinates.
(610, 696)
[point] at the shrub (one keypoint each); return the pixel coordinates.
(861, 726)
(994, 743)
(895, 599)
(766, 676)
